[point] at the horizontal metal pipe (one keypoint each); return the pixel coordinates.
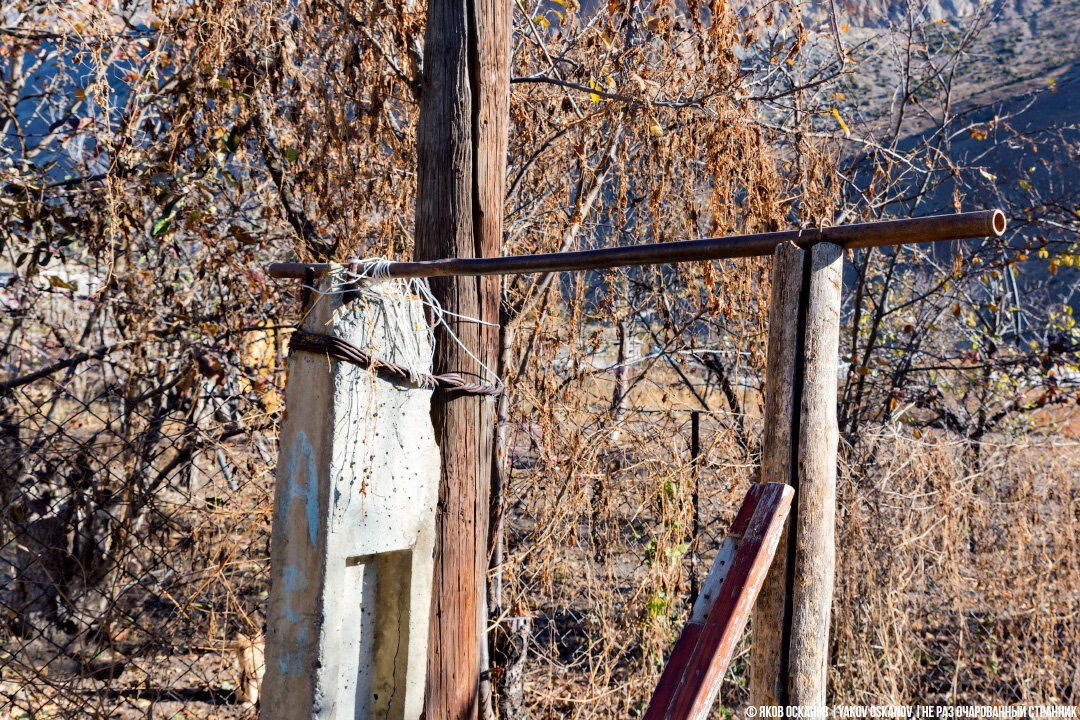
(936, 228)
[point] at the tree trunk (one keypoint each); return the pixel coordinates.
(461, 148)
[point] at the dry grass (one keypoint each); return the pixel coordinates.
(957, 569)
(958, 572)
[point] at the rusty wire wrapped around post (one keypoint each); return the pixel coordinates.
(344, 350)
(936, 228)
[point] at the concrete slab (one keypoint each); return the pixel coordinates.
(354, 521)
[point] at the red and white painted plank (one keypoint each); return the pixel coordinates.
(696, 667)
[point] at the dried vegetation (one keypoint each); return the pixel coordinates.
(156, 156)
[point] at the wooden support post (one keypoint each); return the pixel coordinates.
(696, 667)
(789, 659)
(815, 549)
(777, 466)
(461, 165)
(695, 536)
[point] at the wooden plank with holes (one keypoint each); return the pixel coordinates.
(703, 604)
(696, 667)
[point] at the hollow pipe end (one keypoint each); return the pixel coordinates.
(997, 223)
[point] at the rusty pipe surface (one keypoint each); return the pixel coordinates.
(959, 226)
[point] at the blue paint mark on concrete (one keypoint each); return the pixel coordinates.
(310, 492)
(293, 663)
(293, 580)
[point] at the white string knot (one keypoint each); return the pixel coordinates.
(371, 268)
(356, 277)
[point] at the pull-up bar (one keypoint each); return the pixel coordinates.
(958, 226)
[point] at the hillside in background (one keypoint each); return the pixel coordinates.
(1017, 50)
(1014, 105)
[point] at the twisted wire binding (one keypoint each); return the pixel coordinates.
(344, 350)
(352, 280)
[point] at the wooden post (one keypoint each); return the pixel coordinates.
(461, 161)
(696, 666)
(766, 673)
(789, 659)
(695, 536)
(815, 550)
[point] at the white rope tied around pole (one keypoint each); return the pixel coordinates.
(373, 268)
(341, 280)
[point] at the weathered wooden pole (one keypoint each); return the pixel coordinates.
(461, 155)
(767, 686)
(815, 524)
(789, 658)
(694, 670)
